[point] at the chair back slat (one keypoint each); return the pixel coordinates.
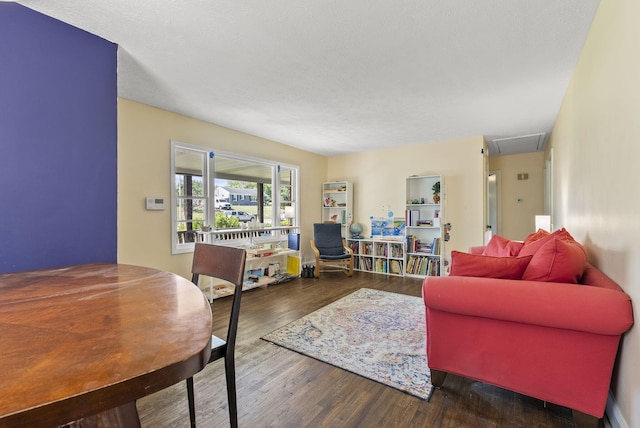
(219, 261)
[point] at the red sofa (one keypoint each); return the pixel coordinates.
(553, 341)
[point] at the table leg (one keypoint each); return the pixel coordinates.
(125, 416)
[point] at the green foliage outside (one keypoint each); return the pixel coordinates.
(225, 222)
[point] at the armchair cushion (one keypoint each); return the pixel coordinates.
(465, 264)
(342, 256)
(328, 239)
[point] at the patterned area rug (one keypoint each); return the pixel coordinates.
(375, 334)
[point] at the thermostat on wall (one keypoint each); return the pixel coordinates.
(155, 203)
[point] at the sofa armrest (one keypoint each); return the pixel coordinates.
(478, 249)
(569, 306)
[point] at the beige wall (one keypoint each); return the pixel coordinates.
(596, 151)
(517, 219)
(144, 135)
(379, 181)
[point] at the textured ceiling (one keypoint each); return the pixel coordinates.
(336, 77)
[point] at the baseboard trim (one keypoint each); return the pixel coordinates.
(614, 414)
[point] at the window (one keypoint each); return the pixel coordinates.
(228, 191)
(190, 201)
(287, 202)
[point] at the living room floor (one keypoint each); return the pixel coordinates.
(281, 388)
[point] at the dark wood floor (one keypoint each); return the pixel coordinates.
(280, 388)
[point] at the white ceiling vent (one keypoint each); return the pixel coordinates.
(515, 145)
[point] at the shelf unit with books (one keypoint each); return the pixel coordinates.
(264, 265)
(424, 226)
(383, 256)
(337, 204)
(270, 266)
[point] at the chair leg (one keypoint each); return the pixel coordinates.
(192, 404)
(230, 371)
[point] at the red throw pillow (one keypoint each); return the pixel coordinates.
(566, 236)
(559, 260)
(532, 245)
(465, 264)
(534, 242)
(532, 237)
(502, 247)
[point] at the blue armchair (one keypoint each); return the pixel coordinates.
(331, 249)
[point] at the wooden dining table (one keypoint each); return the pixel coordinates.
(86, 341)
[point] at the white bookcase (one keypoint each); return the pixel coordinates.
(337, 204)
(260, 271)
(424, 226)
(271, 267)
(269, 260)
(378, 255)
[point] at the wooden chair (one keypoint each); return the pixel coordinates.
(226, 263)
(331, 249)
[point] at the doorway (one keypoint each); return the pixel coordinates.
(493, 205)
(548, 186)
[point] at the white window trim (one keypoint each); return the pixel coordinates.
(209, 187)
(176, 246)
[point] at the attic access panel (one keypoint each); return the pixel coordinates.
(516, 145)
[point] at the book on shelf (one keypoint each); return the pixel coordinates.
(412, 217)
(412, 242)
(366, 264)
(381, 249)
(222, 290)
(435, 246)
(414, 245)
(397, 251)
(423, 265)
(426, 248)
(396, 267)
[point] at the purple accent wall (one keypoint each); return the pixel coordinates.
(58, 143)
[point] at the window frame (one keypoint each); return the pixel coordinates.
(209, 204)
(209, 188)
